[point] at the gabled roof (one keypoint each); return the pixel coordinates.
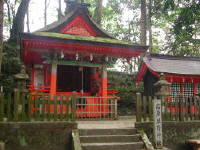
(80, 18)
(75, 33)
(158, 63)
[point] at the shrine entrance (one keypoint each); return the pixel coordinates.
(73, 78)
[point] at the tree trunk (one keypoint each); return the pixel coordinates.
(150, 26)
(9, 14)
(45, 13)
(28, 21)
(1, 32)
(143, 27)
(59, 10)
(98, 12)
(18, 22)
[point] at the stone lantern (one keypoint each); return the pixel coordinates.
(161, 87)
(21, 79)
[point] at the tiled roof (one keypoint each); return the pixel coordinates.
(173, 64)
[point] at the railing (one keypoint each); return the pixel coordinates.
(179, 109)
(96, 108)
(39, 89)
(20, 106)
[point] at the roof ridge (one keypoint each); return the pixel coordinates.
(172, 57)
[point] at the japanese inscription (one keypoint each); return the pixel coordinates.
(157, 115)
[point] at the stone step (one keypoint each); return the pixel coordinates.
(109, 138)
(126, 131)
(113, 146)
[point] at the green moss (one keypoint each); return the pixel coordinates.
(82, 38)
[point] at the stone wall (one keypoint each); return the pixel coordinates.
(37, 135)
(174, 133)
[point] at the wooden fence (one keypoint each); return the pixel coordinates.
(20, 106)
(178, 109)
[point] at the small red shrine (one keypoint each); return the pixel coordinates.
(73, 54)
(182, 72)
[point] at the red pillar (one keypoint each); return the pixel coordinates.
(104, 87)
(104, 82)
(53, 78)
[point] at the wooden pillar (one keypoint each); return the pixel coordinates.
(53, 78)
(104, 82)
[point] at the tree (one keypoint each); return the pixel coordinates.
(98, 12)
(1, 32)
(18, 21)
(143, 26)
(46, 5)
(59, 10)
(149, 25)
(27, 21)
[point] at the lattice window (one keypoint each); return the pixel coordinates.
(175, 90)
(182, 89)
(188, 90)
(198, 89)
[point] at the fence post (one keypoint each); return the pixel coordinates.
(1, 106)
(2, 145)
(16, 103)
(115, 101)
(138, 108)
(73, 102)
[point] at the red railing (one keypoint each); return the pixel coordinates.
(39, 89)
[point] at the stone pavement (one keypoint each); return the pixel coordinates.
(122, 122)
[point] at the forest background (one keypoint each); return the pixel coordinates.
(167, 26)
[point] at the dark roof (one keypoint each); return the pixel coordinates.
(173, 64)
(58, 25)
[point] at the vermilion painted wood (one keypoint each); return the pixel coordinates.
(46, 46)
(79, 27)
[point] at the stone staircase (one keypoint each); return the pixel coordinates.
(110, 139)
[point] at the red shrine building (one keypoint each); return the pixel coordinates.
(182, 72)
(73, 54)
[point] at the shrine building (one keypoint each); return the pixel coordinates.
(73, 54)
(182, 72)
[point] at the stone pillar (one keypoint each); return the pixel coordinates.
(158, 109)
(2, 145)
(53, 84)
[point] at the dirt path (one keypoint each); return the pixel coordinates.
(122, 122)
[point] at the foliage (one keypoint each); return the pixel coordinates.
(127, 89)
(182, 19)
(10, 66)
